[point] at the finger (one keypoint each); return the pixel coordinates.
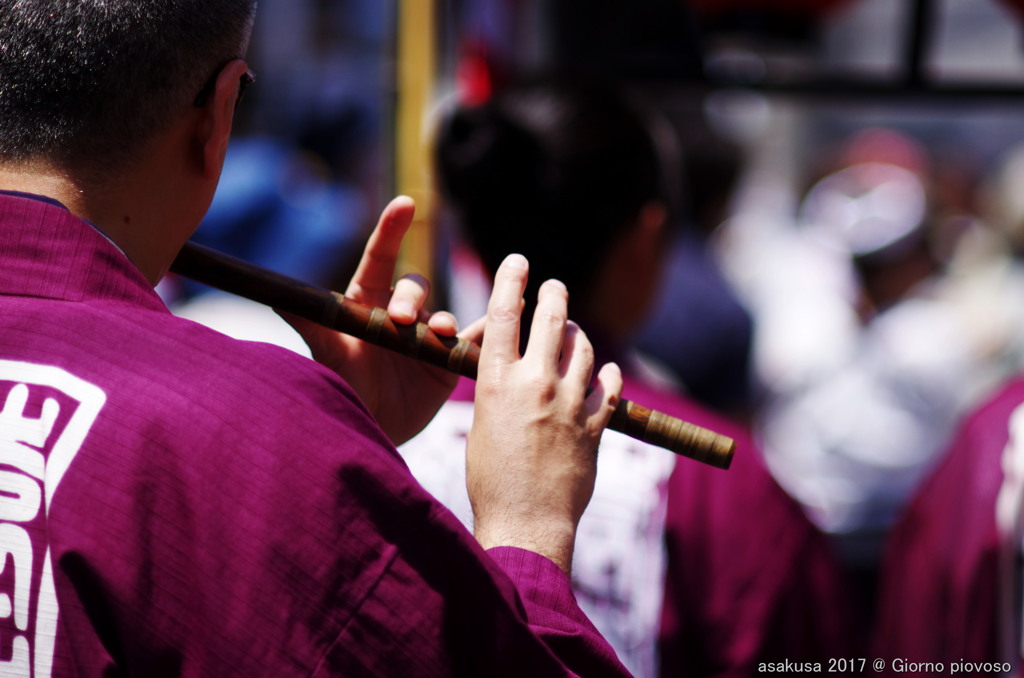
(408, 298)
(605, 397)
(547, 333)
(443, 324)
(371, 283)
(504, 311)
(577, 358)
(475, 330)
(577, 361)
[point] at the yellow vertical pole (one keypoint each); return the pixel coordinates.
(416, 47)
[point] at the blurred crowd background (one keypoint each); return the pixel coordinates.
(846, 276)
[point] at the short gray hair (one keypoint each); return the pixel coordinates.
(86, 83)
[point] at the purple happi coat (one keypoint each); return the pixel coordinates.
(951, 586)
(177, 503)
(748, 581)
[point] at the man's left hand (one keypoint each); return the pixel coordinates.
(402, 393)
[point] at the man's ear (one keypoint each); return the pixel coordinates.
(216, 117)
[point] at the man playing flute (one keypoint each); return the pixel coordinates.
(177, 503)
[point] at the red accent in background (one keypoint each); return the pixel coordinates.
(474, 77)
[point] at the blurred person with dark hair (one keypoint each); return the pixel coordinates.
(178, 503)
(705, 572)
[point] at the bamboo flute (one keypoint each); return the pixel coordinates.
(372, 324)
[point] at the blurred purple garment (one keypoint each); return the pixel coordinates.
(178, 503)
(618, 561)
(749, 579)
(943, 581)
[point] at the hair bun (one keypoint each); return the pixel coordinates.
(483, 157)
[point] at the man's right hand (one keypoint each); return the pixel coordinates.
(531, 460)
